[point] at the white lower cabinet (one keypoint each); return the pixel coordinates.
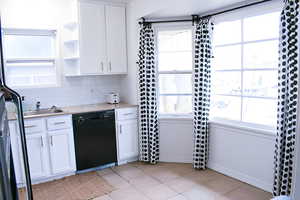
(127, 135)
(50, 145)
(37, 156)
(61, 151)
(51, 152)
(128, 139)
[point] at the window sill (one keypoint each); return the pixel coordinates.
(253, 128)
(244, 126)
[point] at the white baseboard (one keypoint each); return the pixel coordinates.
(242, 177)
(128, 160)
(53, 178)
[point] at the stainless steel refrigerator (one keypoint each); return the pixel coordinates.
(8, 186)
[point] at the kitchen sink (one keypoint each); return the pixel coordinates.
(43, 111)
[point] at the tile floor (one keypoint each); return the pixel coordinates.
(164, 181)
(78, 187)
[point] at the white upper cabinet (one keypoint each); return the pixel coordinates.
(116, 39)
(92, 38)
(102, 41)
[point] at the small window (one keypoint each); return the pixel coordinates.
(175, 63)
(30, 58)
(244, 78)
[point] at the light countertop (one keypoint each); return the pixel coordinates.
(77, 109)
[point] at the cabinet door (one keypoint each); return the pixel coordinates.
(62, 151)
(92, 38)
(116, 39)
(37, 156)
(127, 139)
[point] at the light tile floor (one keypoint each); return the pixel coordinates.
(166, 181)
(173, 181)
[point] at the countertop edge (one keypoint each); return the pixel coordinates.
(70, 110)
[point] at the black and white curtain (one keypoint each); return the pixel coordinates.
(149, 135)
(287, 98)
(201, 95)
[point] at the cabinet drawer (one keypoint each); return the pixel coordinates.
(33, 126)
(57, 123)
(126, 113)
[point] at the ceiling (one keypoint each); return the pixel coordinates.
(179, 8)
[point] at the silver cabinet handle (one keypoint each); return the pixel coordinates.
(51, 140)
(110, 66)
(120, 129)
(42, 141)
(58, 123)
(30, 126)
(129, 114)
(102, 67)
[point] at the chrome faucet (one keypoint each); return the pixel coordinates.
(37, 106)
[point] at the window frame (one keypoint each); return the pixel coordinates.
(241, 70)
(173, 27)
(55, 60)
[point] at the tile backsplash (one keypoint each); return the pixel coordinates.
(73, 91)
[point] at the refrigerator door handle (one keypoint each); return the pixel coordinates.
(18, 102)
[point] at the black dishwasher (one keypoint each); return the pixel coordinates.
(95, 139)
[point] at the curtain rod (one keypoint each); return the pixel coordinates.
(196, 18)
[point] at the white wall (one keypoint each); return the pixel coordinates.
(243, 154)
(52, 14)
(296, 191)
(176, 140)
(74, 91)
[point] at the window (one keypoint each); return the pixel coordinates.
(174, 50)
(244, 80)
(30, 58)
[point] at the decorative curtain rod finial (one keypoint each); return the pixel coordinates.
(195, 19)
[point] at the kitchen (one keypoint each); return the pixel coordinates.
(110, 99)
(80, 95)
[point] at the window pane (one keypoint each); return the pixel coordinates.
(175, 61)
(261, 55)
(176, 40)
(260, 83)
(30, 74)
(226, 83)
(225, 107)
(261, 27)
(175, 104)
(228, 57)
(23, 46)
(227, 32)
(260, 111)
(175, 83)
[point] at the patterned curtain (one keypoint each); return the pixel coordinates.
(149, 135)
(287, 98)
(202, 82)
